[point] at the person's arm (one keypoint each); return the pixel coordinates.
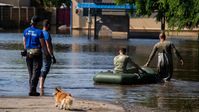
(24, 42)
(43, 45)
(135, 65)
(177, 54)
(151, 55)
(24, 52)
(115, 61)
(49, 47)
(50, 50)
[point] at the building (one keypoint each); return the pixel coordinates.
(19, 11)
(16, 2)
(103, 17)
(138, 27)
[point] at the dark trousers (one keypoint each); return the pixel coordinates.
(34, 64)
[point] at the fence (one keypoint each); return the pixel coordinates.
(19, 17)
(15, 16)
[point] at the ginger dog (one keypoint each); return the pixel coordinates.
(63, 99)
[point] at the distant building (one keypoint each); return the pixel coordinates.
(15, 13)
(16, 2)
(102, 16)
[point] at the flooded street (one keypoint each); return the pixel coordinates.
(79, 59)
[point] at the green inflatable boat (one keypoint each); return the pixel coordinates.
(109, 77)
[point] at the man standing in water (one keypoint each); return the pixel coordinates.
(50, 56)
(122, 61)
(33, 42)
(165, 60)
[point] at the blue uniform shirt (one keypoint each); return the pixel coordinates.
(47, 36)
(32, 36)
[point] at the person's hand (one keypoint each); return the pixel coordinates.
(182, 62)
(146, 65)
(24, 53)
(53, 59)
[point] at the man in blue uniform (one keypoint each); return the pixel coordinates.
(49, 58)
(33, 42)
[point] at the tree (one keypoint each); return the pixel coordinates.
(183, 13)
(37, 3)
(50, 3)
(57, 3)
(177, 13)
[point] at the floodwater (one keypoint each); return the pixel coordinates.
(79, 59)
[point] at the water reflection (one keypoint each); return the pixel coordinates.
(78, 59)
(177, 97)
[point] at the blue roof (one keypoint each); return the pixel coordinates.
(103, 6)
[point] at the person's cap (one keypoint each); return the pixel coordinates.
(34, 20)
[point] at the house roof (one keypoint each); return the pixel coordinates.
(3, 4)
(103, 6)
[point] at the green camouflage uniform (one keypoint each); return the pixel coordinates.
(124, 64)
(165, 61)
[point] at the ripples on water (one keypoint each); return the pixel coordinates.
(78, 59)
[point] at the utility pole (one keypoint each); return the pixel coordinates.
(89, 23)
(19, 14)
(71, 18)
(163, 23)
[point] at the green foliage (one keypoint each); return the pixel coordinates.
(124, 1)
(178, 13)
(183, 13)
(120, 1)
(56, 3)
(37, 3)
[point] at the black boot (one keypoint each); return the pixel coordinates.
(34, 94)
